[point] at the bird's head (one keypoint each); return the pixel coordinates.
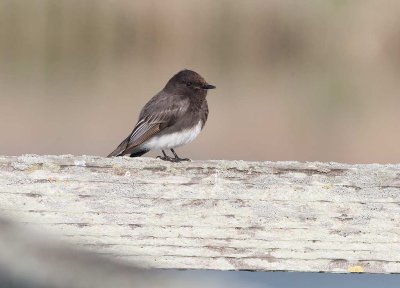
(187, 81)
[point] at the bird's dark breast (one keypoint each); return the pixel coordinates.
(197, 111)
(204, 112)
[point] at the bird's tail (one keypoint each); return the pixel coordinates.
(119, 151)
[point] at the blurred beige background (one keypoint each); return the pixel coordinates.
(296, 80)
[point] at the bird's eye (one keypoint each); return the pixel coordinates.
(189, 84)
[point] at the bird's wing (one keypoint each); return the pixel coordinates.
(158, 114)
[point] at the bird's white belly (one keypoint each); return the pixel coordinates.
(174, 139)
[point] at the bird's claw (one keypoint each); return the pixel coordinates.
(165, 158)
(170, 159)
(181, 159)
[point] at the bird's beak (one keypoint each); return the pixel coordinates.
(208, 86)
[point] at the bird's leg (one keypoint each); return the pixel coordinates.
(177, 158)
(165, 157)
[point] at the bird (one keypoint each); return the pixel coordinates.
(174, 117)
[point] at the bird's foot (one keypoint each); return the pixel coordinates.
(166, 158)
(177, 159)
(170, 159)
(173, 159)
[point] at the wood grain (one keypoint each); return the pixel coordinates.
(224, 215)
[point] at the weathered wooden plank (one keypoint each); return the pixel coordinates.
(226, 215)
(31, 259)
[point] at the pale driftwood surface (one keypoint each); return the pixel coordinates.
(225, 215)
(32, 259)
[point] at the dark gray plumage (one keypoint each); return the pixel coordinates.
(173, 117)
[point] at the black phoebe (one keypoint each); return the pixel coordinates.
(173, 117)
